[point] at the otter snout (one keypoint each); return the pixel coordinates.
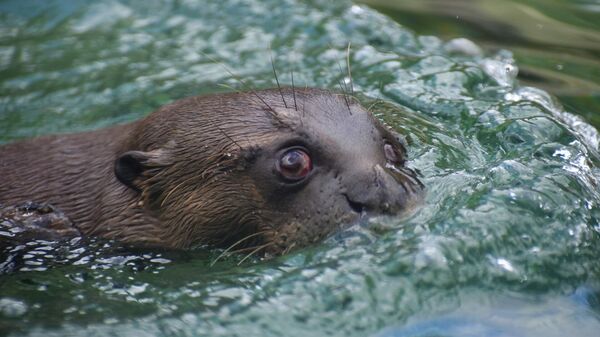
(384, 190)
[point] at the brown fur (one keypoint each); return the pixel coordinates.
(194, 188)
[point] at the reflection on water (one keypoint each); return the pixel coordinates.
(509, 231)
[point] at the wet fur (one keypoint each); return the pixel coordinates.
(186, 181)
(75, 173)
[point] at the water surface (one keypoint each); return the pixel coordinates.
(506, 243)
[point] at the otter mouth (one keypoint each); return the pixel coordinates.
(355, 206)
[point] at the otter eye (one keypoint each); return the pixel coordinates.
(294, 164)
(391, 154)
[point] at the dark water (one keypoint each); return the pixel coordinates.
(507, 243)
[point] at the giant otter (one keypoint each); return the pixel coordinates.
(262, 170)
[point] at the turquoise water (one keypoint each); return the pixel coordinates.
(506, 243)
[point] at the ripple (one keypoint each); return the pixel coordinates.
(511, 175)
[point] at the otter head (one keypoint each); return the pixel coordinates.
(264, 171)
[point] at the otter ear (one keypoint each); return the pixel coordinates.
(132, 168)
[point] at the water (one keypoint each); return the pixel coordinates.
(506, 243)
(555, 42)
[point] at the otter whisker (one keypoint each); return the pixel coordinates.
(271, 111)
(411, 174)
(345, 97)
(294, 90)
(171, 191)
(255, 251)
(287, 250)
(276, 79)
(227, 86)
(235, 244)
(244, 249)
(377, 101)
(349, 71)
(345, 90)
(228, 137)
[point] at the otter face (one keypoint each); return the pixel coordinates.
(331, 165)
(273, 176)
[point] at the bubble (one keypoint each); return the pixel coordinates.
(502, 72)
(12, 308)
(463, 46)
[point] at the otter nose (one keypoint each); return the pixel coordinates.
(387, 190)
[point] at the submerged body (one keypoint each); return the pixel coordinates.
(274, 169)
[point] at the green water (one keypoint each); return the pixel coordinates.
(555, 42)
(506, 244)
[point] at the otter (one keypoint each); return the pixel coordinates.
(267, 171)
